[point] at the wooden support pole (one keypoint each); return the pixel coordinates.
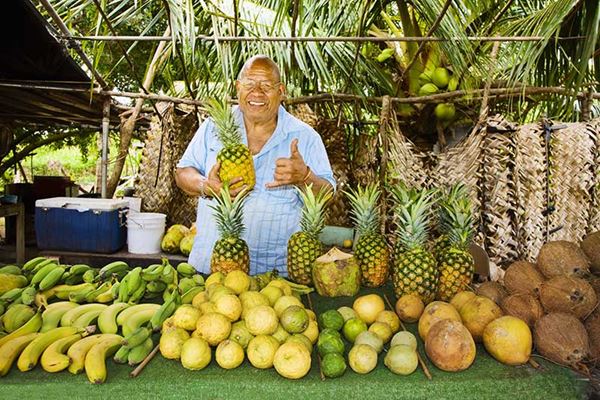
(104, 163)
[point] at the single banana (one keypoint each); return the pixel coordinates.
(134, 281)
(188, 296)
(79, 269)
(63, 291)
(114, 290)
(112, 268)
(41, 265)
(12, 295)
(137, 354)
(31, 264)
(129, 312)
(106, 297)
(31, 354)
(79, 350)
(54, 312)
(89, 276)
(185, 284)
(74, 279)
(91, 296)
(169, 274)
(70, 316)
(54, 358)
(95, 359)
(28, 295)
(107, 320)
(10, 270)
(198, 279)
(137, 320)
(186, 269)
(52, 278)
(123, 290)
(87, 318)
(41, 274)
(32, 326)
(152, 273)
(156, 286)
(121, 355)
(137, 337)
(11, 349)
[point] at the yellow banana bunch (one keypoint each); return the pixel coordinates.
(11, 349)
(54, 358)
(31, 354)
(78, 351)
(95, 359)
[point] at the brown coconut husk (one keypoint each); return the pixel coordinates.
(561, 338)
(524, 306)
(595, 283)
(591, 247)
(562, 258)
(493, 291)
(523, 277)
(569, 295)
(592, 326)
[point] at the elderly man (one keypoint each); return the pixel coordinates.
(287, 153)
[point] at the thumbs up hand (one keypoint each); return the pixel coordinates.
(291, 170)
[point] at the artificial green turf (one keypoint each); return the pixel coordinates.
(485, 379)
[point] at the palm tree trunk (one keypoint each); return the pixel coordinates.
(128, 124)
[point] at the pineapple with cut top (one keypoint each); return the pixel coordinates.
(234, 157)
(456, 264)
(414, 269)
(371, 250)
(230, 252)
(304, 246)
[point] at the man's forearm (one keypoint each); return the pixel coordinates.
(190, 181)
(318, 183)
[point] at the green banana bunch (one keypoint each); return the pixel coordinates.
(296, 287)
(186, 284)
(156, 286)
(79, 296)
(137, 354)
(137, 337)
(28, 295)
(134, 280)
(165, 311)
(89, 276)
(12, 295)
(76, 273)
(188, 296)
(152, 273)
(186, 270)
(42, 272)
(52, 278)
(121, 355)
(90, 297)
(31, 264)
(264, 279)
(138, 294)
(169, 274)
(108, 270)
(63, 292)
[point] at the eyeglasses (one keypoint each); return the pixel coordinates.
(266, 86)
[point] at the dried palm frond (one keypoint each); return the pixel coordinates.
(405, 164)
(498, 192)
(571, 180)
(305, 114)
(530, 189)
(593, 128)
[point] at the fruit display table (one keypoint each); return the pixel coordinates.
(485, 379)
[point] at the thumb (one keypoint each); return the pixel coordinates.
(294, 149)
(214, 171)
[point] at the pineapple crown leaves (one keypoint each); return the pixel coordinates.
(229, 213)
(447, 197)
(228, 131)
(459, 222)
(313, 213)
(365, 208)
(413, 217)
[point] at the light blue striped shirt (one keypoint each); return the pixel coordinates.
(271, 216)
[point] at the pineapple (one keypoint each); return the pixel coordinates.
(230, 252)
(456, 264)
(304, 247)
(371, 250)
(235, 158)
(415, 269)
(443, 241)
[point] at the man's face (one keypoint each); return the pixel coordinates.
(259, 93)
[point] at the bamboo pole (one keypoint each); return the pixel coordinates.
(210, 38)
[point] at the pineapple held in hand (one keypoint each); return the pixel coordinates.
(371, 250)
(304, 247)
(456, 264)
(235, 158)
(230, 252)
(415, 268)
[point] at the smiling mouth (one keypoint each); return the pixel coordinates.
(257, 103)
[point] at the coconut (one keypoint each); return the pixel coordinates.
(562, 258)
(561, 338)
(592, 325)
(591, 247)
(493, 291)
(524, 306)
(449, 346)
(595, 283)
(523, 277)
(569, 295)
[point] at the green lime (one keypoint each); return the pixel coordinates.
(333, 365)
(330, 344)
(353, 327)
(331, 319)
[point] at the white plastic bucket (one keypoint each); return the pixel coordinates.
(145, 232)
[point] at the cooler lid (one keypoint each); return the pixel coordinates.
(82, 203)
